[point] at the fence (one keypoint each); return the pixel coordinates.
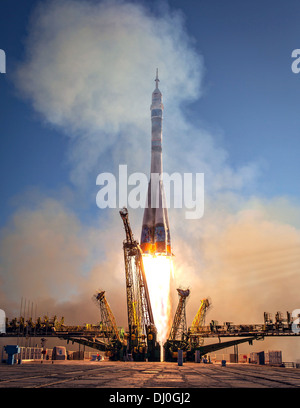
(35, 353)
(27, 353)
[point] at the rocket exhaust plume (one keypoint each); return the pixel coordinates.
(155, 237)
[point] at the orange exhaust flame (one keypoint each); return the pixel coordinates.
(158, 270)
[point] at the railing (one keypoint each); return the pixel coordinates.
(232, 330)
(27, 353)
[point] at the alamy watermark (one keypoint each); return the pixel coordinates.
(2, 62)
(188, 191)
(2, 321)
(295, 64)
(296, 321)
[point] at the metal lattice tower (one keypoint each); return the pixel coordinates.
(179, 327)
(198, 323)
(108, 320)
(140, 316)
(199, 319)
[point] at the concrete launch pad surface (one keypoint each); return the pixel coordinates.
(107, 374)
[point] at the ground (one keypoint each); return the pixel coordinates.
(142, 375)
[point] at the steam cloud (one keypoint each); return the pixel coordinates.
(88, 70)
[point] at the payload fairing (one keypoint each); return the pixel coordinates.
(155, 237)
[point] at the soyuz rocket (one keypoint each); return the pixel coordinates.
(155, 237)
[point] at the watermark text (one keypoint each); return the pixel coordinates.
(161, 191)
(296, 321)
(2, 62)
(2, 321)
(296, 63)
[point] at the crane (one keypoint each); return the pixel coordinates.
(198, 323)
(141, 327)
(109, 326)
(106, 338)
(178, 337)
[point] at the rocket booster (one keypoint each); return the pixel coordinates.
(155, 237)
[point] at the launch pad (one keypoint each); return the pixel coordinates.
(140, 376)
(141, 342)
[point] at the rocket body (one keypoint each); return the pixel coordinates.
(155, 237)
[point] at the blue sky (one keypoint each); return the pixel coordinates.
(251, 92)
(32, 155)
(250, 95)
(75, 102)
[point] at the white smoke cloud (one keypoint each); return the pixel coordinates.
(89, 69)
(89, 66)
(52, 259)
(41, 251)
(246, 261)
